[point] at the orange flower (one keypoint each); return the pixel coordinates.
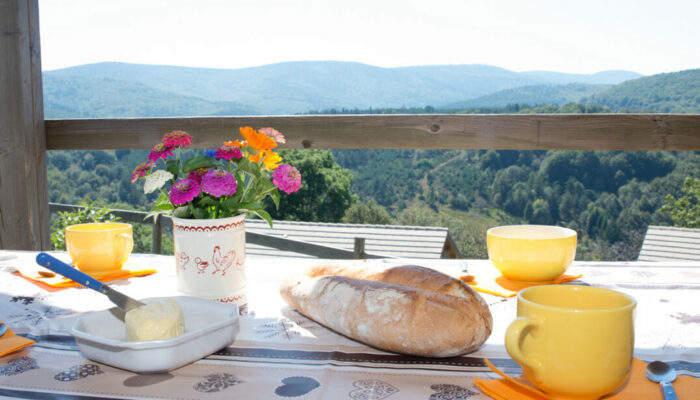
(236, 143)
(270, 159)
(257, 140)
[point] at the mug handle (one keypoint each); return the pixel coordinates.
(514, 334)
(126, 237)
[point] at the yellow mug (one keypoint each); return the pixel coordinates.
(573, 342)
(99, 248)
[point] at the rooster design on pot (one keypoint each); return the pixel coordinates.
(222, 261)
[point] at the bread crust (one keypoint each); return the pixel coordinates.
(407, 309)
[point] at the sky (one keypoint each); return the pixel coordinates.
(644, 36)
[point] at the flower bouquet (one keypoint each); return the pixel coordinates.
(209, 196)
(231, 180)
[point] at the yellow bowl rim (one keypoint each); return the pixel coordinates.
(118, 226)
(567, 232)
(632, 300)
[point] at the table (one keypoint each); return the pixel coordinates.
(280, 354)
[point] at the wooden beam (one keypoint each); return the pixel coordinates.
(421, 131)
(24, 205)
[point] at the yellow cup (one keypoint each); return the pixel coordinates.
(573, 342)
(533, 253)
(99, 248)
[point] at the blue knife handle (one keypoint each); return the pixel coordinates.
(59, 267)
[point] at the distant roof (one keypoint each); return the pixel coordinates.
(665, 243)
(383, 240)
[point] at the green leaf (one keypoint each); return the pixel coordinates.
(163, 198)
(200, 161)
(249, 167)
(230, 203)
(251, 206)
(265, 186)
(264, 215)
(171, 166)
(200, 213)
(163, 207)
(182, 212)
(275, 195)
(207, 201)
(152, 214)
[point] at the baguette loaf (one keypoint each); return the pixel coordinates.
(407, 309)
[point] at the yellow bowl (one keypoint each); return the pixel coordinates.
(99, 248)
(534, 253)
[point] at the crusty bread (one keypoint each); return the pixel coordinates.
(407, 309)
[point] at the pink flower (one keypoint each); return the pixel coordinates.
(219, 183)
(142, 170)
(197, 175)
(228, 152)
(183, 191)
(287, 178)
(160, 151)
(273, 133)
(177, 138)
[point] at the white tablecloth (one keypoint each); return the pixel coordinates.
(278, 353)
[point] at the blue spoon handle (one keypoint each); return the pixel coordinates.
(668, 391)
(59, 267)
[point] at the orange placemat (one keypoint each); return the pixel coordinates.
(637, 386)
(50, 281)
(10, 342)
(484, 277)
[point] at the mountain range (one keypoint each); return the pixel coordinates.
(134, 90)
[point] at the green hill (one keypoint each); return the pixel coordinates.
(533, 95)
(95, 97)
(296, 87)
(676, 92)
(598, 78)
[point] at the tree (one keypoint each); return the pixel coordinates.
(418, 216)
(325, 188)
(685, 210)
(367, 213)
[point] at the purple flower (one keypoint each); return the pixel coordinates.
(177, 138)
(219, 183)
(287, 178)
(228, 152)
(183, 191)
(142, 170)
(197, 175)
(160, 151)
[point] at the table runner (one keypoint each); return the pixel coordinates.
(280, 353)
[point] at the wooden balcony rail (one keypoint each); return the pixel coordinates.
(418, 131)
(280, 243)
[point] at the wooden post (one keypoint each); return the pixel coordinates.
(24, 205)
(157, 247)
(359, 252)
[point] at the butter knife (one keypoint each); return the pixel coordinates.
(122, 301)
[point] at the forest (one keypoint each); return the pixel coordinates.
(608, 197)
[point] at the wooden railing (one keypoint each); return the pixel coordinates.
(420, 131)
(279, 243)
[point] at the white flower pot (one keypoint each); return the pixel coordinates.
(210, 258)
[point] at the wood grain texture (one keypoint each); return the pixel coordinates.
(422, 131)
(24, 211)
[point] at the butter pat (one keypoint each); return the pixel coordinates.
(161, 319)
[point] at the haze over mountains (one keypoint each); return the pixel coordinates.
(134, 90)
